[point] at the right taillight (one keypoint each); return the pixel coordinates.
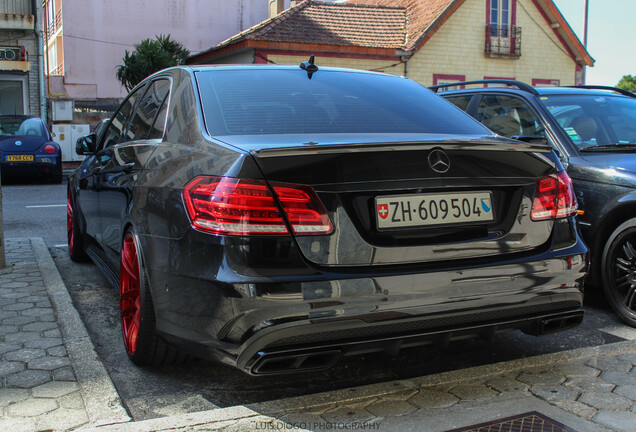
(231, 206)
(553, 198)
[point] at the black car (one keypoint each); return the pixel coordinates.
(101, 128)
(27, 149)
(276, 218)
(593, 130)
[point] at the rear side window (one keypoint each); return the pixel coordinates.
(279, 101)
(158, 127)
(114, 133)
(460, 102)
(146, 113)
(509, 116)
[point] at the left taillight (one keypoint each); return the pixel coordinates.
(231, 206)
(553, 198)
(50, 149)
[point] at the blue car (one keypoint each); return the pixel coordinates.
(26, 148)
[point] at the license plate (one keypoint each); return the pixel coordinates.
(402, 211)
(19, 158)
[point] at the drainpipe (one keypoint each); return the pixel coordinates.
(37, 9)
(405, 56)
(587, 9)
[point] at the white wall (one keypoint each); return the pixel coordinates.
(97, 33)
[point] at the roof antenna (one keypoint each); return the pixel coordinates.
(309, 66)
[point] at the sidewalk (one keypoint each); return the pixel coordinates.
(51, 379)
(50, 376)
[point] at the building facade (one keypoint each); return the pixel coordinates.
(21, 81)
(430, 41)
(85, 41)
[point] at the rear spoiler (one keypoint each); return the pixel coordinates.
(315, 148)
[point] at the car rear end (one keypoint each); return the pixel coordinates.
(394, 221)
(26, 148)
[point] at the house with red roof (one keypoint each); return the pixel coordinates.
(430, 41)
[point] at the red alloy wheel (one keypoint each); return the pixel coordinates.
(130, 294)
(69, 222)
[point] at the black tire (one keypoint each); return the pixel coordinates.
(74, 233)
(619, 271)
(143, 346)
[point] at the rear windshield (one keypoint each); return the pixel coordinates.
(17, 126)
(593, 121)
(276, 101)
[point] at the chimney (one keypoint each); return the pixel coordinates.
(276, 7)
(295, 2)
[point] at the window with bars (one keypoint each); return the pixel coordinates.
(503, 36)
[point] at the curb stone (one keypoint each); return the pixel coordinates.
(101, 400)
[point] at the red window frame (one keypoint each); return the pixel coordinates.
(443, 77)
(512, 10)
(545, 81)
(501, 78)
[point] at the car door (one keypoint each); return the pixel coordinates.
(86, 198)
(123, 161)
(91, 185)
(90, 177)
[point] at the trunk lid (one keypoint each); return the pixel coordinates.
(20, 144)
(357, 178)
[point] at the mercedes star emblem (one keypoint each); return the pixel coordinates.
(439, 161)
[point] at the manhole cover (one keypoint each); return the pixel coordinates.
(527, 422)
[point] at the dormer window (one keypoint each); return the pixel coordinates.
(503, 37)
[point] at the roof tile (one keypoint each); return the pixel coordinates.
(378, 24)
(420, 14)
(334, 24)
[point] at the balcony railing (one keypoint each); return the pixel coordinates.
(54, 26)
(503, 41)
(16, 7)
(58, 70)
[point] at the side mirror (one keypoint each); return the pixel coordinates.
(86, 145)
(531, 139)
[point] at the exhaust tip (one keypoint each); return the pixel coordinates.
(277, 363)
(555, 324)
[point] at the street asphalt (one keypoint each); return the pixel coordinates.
(52, 379)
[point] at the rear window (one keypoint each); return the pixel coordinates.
(19, 126)
(276, 101)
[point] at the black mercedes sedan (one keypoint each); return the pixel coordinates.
(276, 218)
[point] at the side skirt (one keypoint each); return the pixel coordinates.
(112, 277)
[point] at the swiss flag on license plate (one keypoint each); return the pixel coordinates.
(383, 210)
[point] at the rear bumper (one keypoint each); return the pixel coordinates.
(267, 356)
(46, 165)
(303, 318)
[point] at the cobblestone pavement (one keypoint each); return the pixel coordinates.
(588, 390)
(51, 379)
(43, 386)
(39, 389)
